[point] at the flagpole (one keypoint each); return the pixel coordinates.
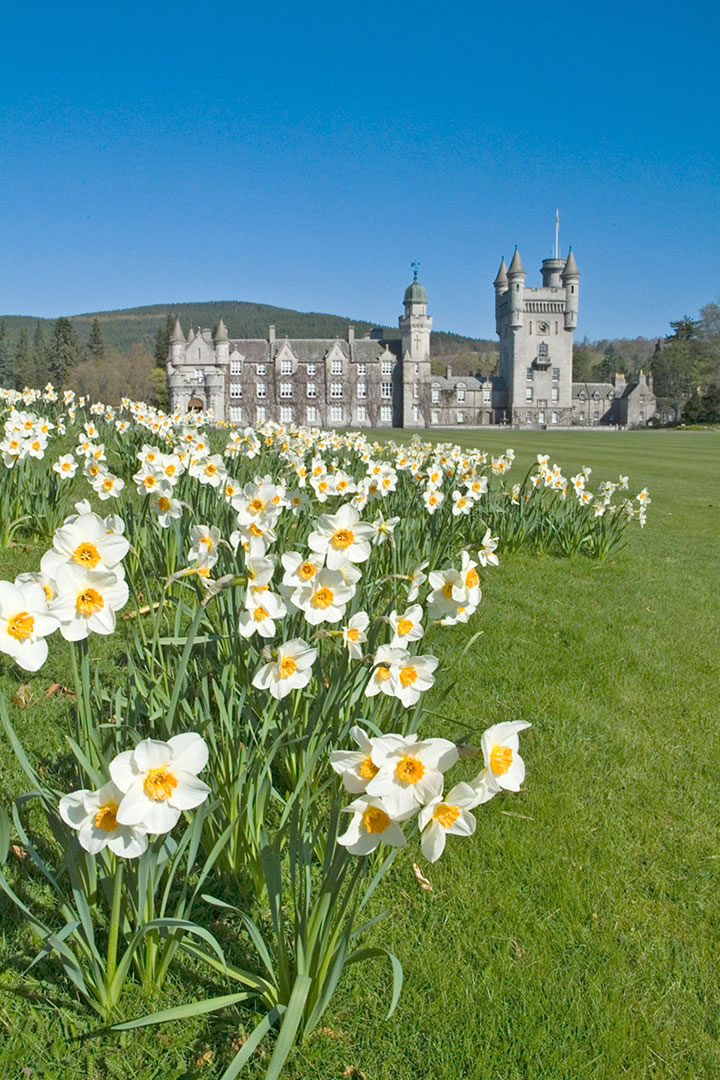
(557, 234)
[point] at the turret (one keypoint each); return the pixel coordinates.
(222, 344)
(415, 326)
(177, 343)
(516, 287)
(501, 287)
(570, 279)
(551, 271)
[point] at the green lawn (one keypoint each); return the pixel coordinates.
(577, 935)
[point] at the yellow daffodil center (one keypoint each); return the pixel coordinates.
(160, 783)
(500, 759)
(255, 531)
(409, 769)
(383, 674)
(306, 571)
(149, 482)
(21, 626)
(404, 627)
(343, 538)
(255, 506)
(106, 817)
(89, 601)
(375, 820)
(206, 541)
(108, 484)
(448, 590)
(164, 503)
(287, 667)
(408, 675)
(353, 633)
(472, 579)
(210, 469)
(367, 769)
(446, 814)
(93, 470)
(323, 598)
(48, 593)
(259, 614)
(66, 466)
(170, 469)
(87, 555)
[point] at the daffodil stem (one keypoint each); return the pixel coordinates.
(114, 929)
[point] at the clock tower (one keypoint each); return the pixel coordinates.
(535, 327)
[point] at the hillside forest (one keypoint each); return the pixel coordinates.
(113, 354)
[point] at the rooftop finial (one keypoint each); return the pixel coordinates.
(415, 267)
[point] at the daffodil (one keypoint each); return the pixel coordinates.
(500, 745)
(410, 773)
(356, 767)
(371, 825)
(290, 670)
(158, 780)
(446, 815)
(341, 537)
(93, 814)
(25, 622)
(87, 600)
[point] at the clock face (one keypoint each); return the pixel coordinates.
(543, 328)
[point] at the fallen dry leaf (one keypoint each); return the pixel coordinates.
(18, 851)
(355, 1074)
(58, 688)
(421, 880)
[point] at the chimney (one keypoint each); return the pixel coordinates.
(271, 339)
(351, 334)
(448, 371)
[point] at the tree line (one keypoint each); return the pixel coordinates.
(103, 372)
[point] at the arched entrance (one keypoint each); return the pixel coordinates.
(195, 404)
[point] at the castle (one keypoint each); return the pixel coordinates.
(372, 382)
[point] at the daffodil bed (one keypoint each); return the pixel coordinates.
(243, 783)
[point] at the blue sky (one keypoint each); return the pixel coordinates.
(303, 156)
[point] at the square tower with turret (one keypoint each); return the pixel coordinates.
(536, 327)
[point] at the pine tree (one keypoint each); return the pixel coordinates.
(162, 340)
(24, 362)
(96, 344)
(40, 358)
(64, 352)
(7, 366)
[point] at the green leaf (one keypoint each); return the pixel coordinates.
(367, 954)
(184, 1012)
(289, 1028)
(251, 1043)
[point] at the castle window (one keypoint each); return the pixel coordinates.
(199, 354)
(416, 415)
(435, 416)
(336, 390)
(541, 417)
(312, 414)
(530, 327)
(336, 414)
(417, 369)
(361, 412)
(261, 389)
(556, 327)
(311, 390)
(530, 374)
(236, 413)
(261, 369)
(361, 370)
(285, 389)
(528, 393)
(543, 348)
(286, 367)
(461, 393)
(386, 414)
(386, 390)
(236, 367)
(556, 374)
(555, 394)
(435, 395)
(199, 375)
(362, 389)
(336, 367)
(487, 395)
(642, 399)
(553, 418)
(235, 390)
(541, 403)
(311, 369)
(286, 415)
(459, 417)
(386, 367)
(416, 390)
(260, 414)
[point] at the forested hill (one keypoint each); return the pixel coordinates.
(127, 328)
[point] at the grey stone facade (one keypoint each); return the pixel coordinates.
(369, 382)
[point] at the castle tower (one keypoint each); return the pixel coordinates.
(535, 327)
(411, 392)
